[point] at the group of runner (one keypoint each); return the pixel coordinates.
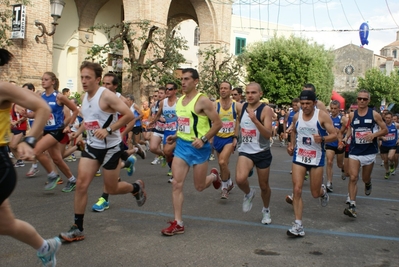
(185, 126)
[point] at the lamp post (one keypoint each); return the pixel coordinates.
(56, 10)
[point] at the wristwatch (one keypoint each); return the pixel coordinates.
(204, 139)
(109, 130)
(322, 138)
(30, 140)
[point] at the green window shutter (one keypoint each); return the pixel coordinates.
(240, 44)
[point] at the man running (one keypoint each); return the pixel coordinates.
(255, 129)
(194, 110)
(312, 128)
(225, 140)
(99, 110)
(363, 147)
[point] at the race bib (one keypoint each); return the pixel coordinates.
(306, 156)
(390, 137)
(51, 120)
(159, 126)
(360, 137)
(184, 125)
(249, 136)
(91, 127)
(171, 126)
(227, 127)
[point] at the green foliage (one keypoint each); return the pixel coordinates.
(5, 20)
(283, 65)
(216, 67)
(350, 98)
(77, 96)
(380, 86)
(140, 39)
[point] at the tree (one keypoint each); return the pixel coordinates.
(380, 86)
(5, 16)
(350, 98)
(153, 52)
(283, 65)
(216, 67)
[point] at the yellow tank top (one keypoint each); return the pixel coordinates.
(5, 132)
(228, 118)
(190, 124)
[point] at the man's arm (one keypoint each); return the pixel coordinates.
(292, 144)
(117, 105)
(326, 121)
(209, 110)
(383, 127)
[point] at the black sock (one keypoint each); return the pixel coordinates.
(136, 188)
(79, 221)
(124, 155)
(105, 196)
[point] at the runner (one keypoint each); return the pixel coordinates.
(312, 128)
(194, 110)
(225, 140)
(255, 127)
(363, 146)
(388, 146)
(99, 110)
(9, 225)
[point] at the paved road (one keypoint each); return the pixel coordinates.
(217, 233)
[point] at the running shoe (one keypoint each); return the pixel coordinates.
(73, 157)
(70, 186)
(217, 182)
(393, 172)
(306, 176)
(19, 163)
(226, 191)
(74, 234)
(348, 199)
(52, 182)
(387, 175)
(343, 176)
(170, 180)
(296, 230)
(155, 161)
(141, 195)
(266, 218)
(48, 259)
(289, 199)
(211, 157)
(351, 211)
(101, 205)
(131, 169)
(329, 188)
(69, 159)
(173, 229)
(247, 202)
(141, 152)
(147, 145)
(10, 155)
(32, 172)
(163, 161)
(325, 198)
(98, 173)
(169, 172)
(367, 188)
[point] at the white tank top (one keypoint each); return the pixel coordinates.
(307, 151)
(169, 113)
(95, 118)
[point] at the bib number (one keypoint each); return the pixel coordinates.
(248, 136)
(360, 137)
(307, 156)
(227, 127)
(51, 120)
(184, 125)
(91, 127)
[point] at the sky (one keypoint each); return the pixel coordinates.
(333, 23)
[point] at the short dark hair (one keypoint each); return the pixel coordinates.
(238, 89)
(227, 83)
(194, 73)
(65, 90)
(98, 70)
(172, 83)
(295, 100)
(5, 56)
(115, 80)
(162, 88)
(310, 86)
(30, 86)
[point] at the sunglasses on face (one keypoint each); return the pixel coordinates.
(235, 94)
(362, 98)
(170, 89)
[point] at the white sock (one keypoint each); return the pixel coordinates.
(225, 184)
(52, 174)
(265, 210)
(298, 222)
(44, 248)
(72, 179)
(34, 166)
(180, 223)
(353, 202)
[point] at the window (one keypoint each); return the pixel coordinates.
(394, 53)
(240, 44)
(196, 36)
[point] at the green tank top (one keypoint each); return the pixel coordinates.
(191, 124)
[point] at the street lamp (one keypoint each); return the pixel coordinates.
(56, 11)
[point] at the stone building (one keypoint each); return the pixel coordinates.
(63, 52)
